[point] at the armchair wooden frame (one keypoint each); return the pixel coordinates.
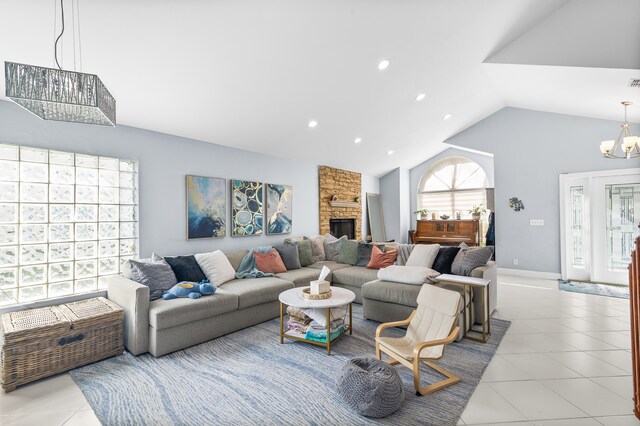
(414, 364)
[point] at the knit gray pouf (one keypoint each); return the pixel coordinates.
(371, 387)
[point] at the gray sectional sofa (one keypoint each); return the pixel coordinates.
(164, 326)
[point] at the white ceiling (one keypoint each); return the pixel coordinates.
(252, 73)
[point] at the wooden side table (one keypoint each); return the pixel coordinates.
(466, 283)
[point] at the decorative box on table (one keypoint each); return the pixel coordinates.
(38, 343)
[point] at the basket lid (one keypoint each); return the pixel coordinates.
(50, 318)
(89, 309)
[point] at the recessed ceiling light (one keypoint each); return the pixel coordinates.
(384, 64)
(446, 116)
(390, 152)
(313, 123)
(357, 140)
(421, 97)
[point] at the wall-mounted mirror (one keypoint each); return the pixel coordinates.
(376, 221)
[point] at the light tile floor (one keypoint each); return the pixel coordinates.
(565, 361)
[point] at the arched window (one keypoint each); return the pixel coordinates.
(451, 184)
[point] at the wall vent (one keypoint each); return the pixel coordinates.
(635, 82)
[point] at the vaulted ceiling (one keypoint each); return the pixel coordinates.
(251, 74)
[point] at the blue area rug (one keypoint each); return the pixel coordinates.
(248, 377)
(593, 288)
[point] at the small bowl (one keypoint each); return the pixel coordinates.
(445, 217)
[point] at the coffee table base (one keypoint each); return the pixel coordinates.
(327, 344)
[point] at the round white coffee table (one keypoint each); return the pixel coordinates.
(293, 297)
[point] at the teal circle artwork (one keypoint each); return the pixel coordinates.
(247, 207)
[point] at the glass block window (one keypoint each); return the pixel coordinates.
(67, 221)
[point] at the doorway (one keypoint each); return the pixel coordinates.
(599, 216)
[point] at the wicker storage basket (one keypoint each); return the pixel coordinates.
(41, 342)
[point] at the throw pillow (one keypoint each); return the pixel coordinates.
(269, 262)
(216, 267)
(380, 259)
(290, 256)
(317, 248)
(364, 254)
(469, 259)
(444, 259)
(125, 265)
(348, 252)
(186, 268)
(332, 247)
(416, 275)
(304, 251)
(159, 277)
(423, 255)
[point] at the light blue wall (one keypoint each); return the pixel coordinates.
(415, 174)
(394, 194)
(531, 149)
(164, 162)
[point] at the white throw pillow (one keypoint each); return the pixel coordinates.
(417, 275)
(423, 255)
(216, 267)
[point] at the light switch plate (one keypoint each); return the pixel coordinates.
(536, 222)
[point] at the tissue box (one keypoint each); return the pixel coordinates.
(319, 287)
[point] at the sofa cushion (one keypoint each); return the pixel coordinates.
(159, 277)
(186, 268)
(170, 313)
(444, 259)
(332, 247)
(235, 257)
(270, 262)
(304, 251)
(333, 266)
(423, 255)
(348, 252)
(317, 248)
(289, 255)
(255, 291)
(354, 276)
(386, 291)
(414, 275)
(364, 253)
(380, 259)
(216, 267)
(301, 277)
(468, 259)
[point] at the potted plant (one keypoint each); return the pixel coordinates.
(476, 211)
(423, 214)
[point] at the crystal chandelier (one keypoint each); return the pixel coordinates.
(60, 95)
(629, 144)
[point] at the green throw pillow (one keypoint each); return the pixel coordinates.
(304, 251)
(348, 252)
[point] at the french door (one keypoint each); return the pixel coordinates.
(600, 213)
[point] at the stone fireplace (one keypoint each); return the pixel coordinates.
(340, 192)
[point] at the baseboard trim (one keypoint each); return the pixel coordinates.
(529, 274)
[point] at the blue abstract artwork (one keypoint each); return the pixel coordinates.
(246, 208)
(206, 207)
(279, 203)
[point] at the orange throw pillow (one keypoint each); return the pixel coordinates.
(380, 259)
(269, 262)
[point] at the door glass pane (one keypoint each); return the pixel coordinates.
(577, 226)
(622, 202)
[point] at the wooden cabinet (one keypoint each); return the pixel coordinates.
(447, 232)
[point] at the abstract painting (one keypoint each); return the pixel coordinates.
(206, 207)
(246, 208)
(279, 203)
